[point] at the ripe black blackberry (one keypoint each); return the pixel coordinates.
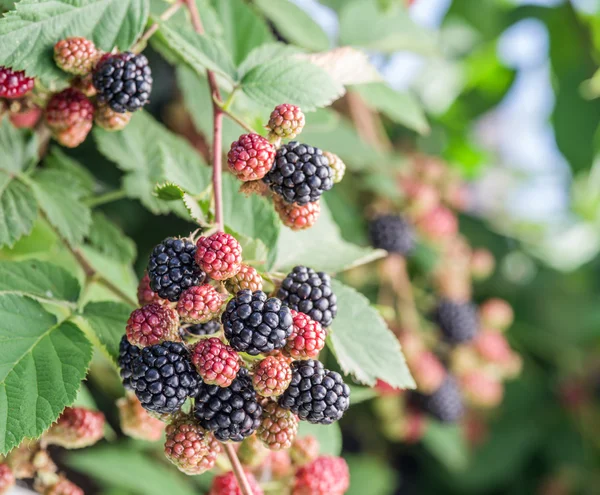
(445, 404)
(310, 293)
(163, 377)
(127, 355)
(392, 233)
(231, 413)
(458, 321)
(172, 268)
(123, 81)
(316, 394)
(255, 323)
(300, 174)
(208, 328)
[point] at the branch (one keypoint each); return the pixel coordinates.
(217, 124)
(235, 118)
(166, 15)
(395, 270)
(238, 470)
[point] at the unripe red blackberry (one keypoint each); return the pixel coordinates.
(76, 428)
(272, 376)
(304, 450)
(338, 167)
(136, 422)
(438, 224)
(110, 120)
(247, 278)
(7, 479)
(67, 109)
(428, 371)
(192, 449)
(307, 339)
(63, 487)
(216, 362)
(481, 390)
(73, 136)
(219, 255)
(26, 118)
(297, 217)
(493, 347)
(153, 324)
(76, 55)
(14, 84)
(496, 313)
(286, 121)
(414, 426)
(279, 463)
(326, 475)
(199, 304)
(226, 484)
(146, 295)
(278, 426)
(250, 157)
(482, 263)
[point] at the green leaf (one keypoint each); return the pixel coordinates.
(263, 54)
(255, 251)
(243, 29)
(58, 160)
(43, 363)
(18, 211)
(361, 394)
(402, 107)
(363, 344)
(168, 191)
(58, 196)
(200, 52)
(28, 33)
(19, 148)
(194, 209)
(252, 216)
(110, 240)
(329, 437)
(447, 443)
(363, 24)
(38, 279)
(294, 24)
(123, 467)
(108, 320)
(314, 247)
(291, 80)
(370, 475)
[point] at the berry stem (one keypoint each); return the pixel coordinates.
(395, 270)
(217, 157)
(238, 470)
(237, 120)
(166, 15)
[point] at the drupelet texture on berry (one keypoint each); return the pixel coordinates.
(76, 428)
(192, 449)
(307, 339)
(246, 278)
(68, 108)
(304, 449)
(216, 362)
(146, 295)
(14, 84)
(73, 136)
(338, 167)
(110, 120)
(127, 354)
(316, 394)
(250, 157)
(209, 328)
(172, 268)
(297, 217)
(326, 475)
(286, 121)
(272, 376)
(392, 233)
(300, 174)
(278, 426)
(163, 377)
(226, 484)
(219, 255)
(76, 55)
(123, 81)
(309, 292)
(136, 422)
(255, 324)
(458, 321)
(152, 324)
(445, 404)
(199, 304)
(231, 413)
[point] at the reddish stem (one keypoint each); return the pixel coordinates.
(217, 126)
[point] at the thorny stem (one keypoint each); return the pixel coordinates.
(217, 124)
(166, 15)
(238, 470)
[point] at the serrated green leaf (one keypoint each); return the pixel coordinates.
(19, 148)
(243, 29)
(110, 240)
(361, 394)
(363, 344)
(329, 437)
(200, 52)
(363, 24)
(291, 80)
(42, 365)
(108, 320)
(371, 475)
(302, 31)
(402, 107)
(58, 196)
(252, 216)
(38, 279)
(255, 251)
(28, 33)
(194, 209)
(168, 191)
(263, 54)
(18, 211)
(58, 160)
(298, 248)
(447, 443)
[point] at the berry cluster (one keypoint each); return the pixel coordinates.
(245, 360)
(105, 89)
(297, 174)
